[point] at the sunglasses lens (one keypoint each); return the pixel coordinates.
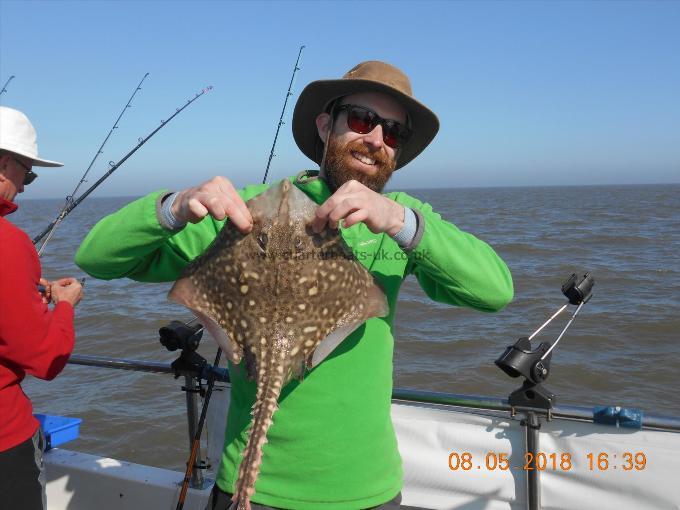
(30, 177)
(360, 121)
(391, 136)
(395, 134)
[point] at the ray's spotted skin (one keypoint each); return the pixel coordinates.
(281, 296)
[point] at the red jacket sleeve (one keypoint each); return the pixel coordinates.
(33, 338)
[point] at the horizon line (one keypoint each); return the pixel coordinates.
(421, 188)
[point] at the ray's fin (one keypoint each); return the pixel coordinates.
(377, 307)
(184, 292)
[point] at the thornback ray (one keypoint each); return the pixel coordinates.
(282, 297)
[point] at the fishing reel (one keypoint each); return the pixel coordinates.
(178, 335)
(534, 365)
(183, 336)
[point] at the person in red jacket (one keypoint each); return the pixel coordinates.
(33, 339)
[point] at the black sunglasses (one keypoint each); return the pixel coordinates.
(30, 174)
(363, 120)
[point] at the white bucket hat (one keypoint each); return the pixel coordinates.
(17, 135)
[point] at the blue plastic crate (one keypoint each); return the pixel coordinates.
(58, 429)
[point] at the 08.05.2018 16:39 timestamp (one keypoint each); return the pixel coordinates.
(564, 461)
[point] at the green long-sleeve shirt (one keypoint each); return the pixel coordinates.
(332, 445)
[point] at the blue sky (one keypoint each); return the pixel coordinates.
(528, 93)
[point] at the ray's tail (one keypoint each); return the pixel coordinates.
(266, 403)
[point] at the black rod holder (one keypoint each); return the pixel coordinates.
(520, 360)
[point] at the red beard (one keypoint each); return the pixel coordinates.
(338, 167)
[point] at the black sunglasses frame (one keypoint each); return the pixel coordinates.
(30, 174)
(390, 127)
(30, 177)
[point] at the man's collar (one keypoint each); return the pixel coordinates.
(306, 176)
(7, 207)
(313, 185)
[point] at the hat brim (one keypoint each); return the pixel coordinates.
(36, 161)
(317, 95)
(46, 163)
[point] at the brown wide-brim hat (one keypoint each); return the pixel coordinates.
(370, 76)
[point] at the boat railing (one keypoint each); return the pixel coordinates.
(193, 388)
(569, 412)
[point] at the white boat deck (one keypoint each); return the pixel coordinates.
(428, 436)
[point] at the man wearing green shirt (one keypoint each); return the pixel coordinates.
(332, 445)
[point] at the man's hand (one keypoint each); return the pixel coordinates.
(46, 292)
(216, 197)
(67, 289)
(353, 203)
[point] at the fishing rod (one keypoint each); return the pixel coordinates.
(69, 198)
(211, 381)
(281, 122)
(4, 87)
(115, 166)
(196, 443)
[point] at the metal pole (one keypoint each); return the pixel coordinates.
(197, 438)
(191, 389)
(121, 364)
(532, 425)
